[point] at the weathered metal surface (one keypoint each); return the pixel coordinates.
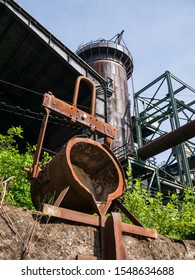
(147, 232)
(111, 230)
(93, 92)
(90, 169)
(61, 196)
(84, 177)
(107, 50)
(114, 247)
(167, 141)
(118, 105)
(71, 215)
(36, 168)
(97, 221)
(84, 258)
(75, 115)
(114, 62)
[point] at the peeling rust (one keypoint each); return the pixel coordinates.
(133, 229)
(71, 215)
(114, 246)
(94, 175)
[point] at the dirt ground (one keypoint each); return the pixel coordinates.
(24, 236)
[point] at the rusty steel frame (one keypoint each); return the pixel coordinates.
(71, 215)
(88, 219)
(111, 229)
(114, 248)
(51, 104)
(75, 115)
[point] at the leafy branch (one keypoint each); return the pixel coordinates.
(175, 219)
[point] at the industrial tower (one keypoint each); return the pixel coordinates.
(113, 61)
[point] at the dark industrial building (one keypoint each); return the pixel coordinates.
(33, 62)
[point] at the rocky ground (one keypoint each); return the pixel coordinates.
(25, 235)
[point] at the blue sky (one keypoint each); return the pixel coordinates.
(160, 34)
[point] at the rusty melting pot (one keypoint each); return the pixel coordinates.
(86, 171)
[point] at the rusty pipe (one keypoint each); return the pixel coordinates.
(167, 141)
(93, 92)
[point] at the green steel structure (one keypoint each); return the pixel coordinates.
(162, 106)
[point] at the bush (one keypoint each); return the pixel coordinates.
(175, 219)
(12, 163)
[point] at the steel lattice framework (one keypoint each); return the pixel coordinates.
(162, 106)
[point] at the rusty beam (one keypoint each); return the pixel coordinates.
(36, 169)
(167, 141)
(75, 115)
(97, 221)
(147, 232)
(61, 196)
(71, 215)
(114, 246)
(84, 258)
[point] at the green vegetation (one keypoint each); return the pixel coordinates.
(175, 219)
(12, 163)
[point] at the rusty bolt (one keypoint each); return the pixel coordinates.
(83, 117)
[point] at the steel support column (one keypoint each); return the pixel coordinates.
(184, 170)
